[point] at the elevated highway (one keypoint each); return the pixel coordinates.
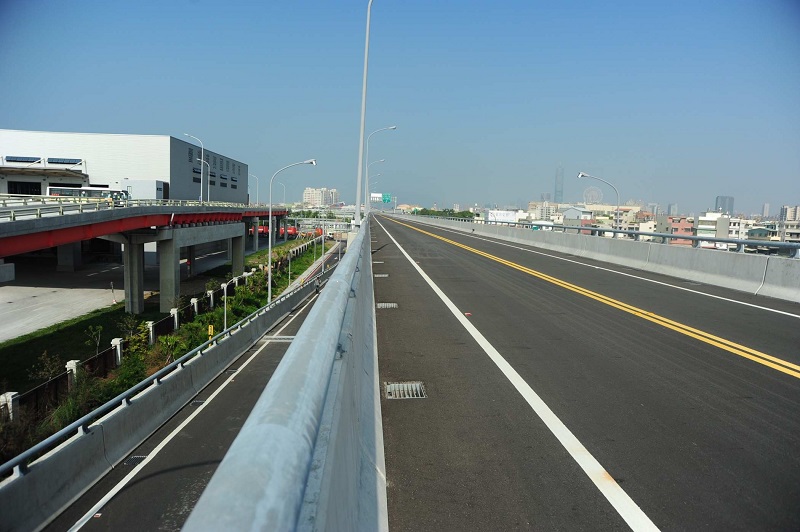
(561, 392)
(33, 223)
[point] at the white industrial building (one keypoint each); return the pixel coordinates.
(31, 161)
(320, 197)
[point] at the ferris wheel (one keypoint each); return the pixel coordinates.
(592, 195)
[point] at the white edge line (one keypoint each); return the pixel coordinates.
(619, 499)
(501, 243)
(122, 483)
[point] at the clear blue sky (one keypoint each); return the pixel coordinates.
(673, 102)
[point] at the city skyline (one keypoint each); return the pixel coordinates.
(490, 100)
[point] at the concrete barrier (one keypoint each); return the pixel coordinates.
(53, 482)
(782, 279)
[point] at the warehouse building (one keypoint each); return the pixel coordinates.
(32, 161)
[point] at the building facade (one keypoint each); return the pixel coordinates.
(320, 197)
(31, 161)
(724, 204)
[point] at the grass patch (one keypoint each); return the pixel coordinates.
(64, 341)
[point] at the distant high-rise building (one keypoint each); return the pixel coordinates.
(653, 207)
(320, 197)
(545, 196)
(724, 204)
(672, 209)
(765, 210)
(790, 214)
(559, 195)
(456, 207)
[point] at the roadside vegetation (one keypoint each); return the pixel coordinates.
(82, 337)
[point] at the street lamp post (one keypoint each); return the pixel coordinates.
(581, 175)
(312, 162)
(366, 185)
(390, 128)
(203, 162)
(202, 153)
(284, 192)
(257, 201)
(357, 211)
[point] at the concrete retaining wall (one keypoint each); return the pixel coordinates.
(771, 276)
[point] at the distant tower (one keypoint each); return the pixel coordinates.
(765, 210)
(724, 204)
(559, 195)
(545, 196)
(672, 209)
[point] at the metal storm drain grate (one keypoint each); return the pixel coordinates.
(381, 275)
(134, 460)
(386, 305)
(405, 390)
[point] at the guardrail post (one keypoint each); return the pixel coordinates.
(151, 332)
(11, 401)
(117, 343)
(210, 294)
(174, 313)
(72, 374)
(193, 301)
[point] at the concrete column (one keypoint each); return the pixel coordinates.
(133, 260)
(72, 373)
(169, 274)
(210, 298)
(117, 344)
(255, 233)
(69, 257)
(11, 402)
(193, 301)
(174, 313)
(7, 272)
(151, 332)
(190, 258)
(237, 254)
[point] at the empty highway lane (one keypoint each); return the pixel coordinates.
(569, 394)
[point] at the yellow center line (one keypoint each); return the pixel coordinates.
(776, 363)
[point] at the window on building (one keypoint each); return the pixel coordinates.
(223, 185)
(228, 165)
(234, 186)
(213, 183)
(191, 155)
(214, 163)
(197, 180)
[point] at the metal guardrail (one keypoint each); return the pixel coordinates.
(14, 208)
(263, 483)
(738, 245)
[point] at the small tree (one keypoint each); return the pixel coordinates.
(127, 325)
(94, 332)
(47, 367)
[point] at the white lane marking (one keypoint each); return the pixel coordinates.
(90, 274)
(122, 483)
(500, 243)
(625, 506)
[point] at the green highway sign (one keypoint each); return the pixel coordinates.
(387, 198)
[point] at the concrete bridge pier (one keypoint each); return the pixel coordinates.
(169, 274)
(133, 272)
(255, 233)
(69, 257)
(237, 252)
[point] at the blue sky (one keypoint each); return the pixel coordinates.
(673, 102)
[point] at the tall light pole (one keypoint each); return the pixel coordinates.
(269, 251)
(357, 211)
(581, 175)
(203, 162)
(251, 175)
(367, 201)
(284, 192)
(390, 128)
(202, 153)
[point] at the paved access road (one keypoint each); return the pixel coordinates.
(157, 487)
(566, 394)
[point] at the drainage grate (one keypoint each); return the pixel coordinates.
(405, 390)
(386, 305)
(198, 402)
(381, 275)
(134, 460)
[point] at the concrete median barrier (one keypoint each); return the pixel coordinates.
(782, 279)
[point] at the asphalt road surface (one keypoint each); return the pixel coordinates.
(567, 394)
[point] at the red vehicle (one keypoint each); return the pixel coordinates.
(262, 230)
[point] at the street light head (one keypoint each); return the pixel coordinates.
(581, 175)
(312, 162)
(393, 127)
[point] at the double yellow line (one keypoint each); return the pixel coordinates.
(781, 365)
